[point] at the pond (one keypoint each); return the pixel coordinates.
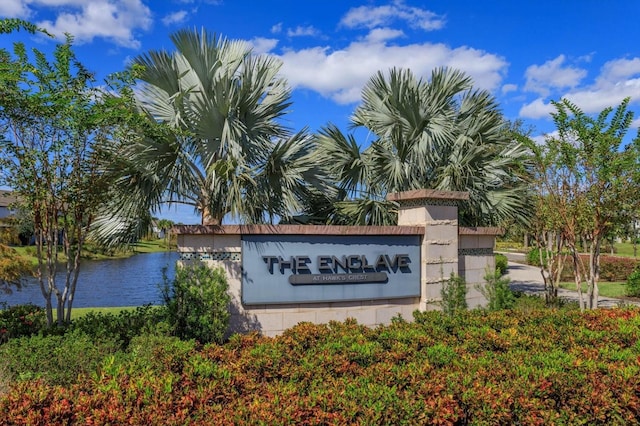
(133, 281)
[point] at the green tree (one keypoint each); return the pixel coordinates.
(588, 180)
(52, 124)
(12, 269)
(438, 133)
(221, 147)
(165, 226)
(197, 302)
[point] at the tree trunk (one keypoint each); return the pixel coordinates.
(577, 276)
(594, 274)
(209, 219)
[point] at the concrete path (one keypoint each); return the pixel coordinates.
(528, 280)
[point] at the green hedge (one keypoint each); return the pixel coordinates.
(477, 368)
(502, 263)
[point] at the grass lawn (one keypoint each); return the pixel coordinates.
(607, 289)
(92, 253)
(624, 249)
(80, 312)
(153, 246)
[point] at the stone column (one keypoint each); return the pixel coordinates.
(437, 211)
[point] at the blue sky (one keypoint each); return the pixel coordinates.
(526, 53)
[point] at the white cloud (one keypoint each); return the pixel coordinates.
(618, 79)
(277, 28)
(300, 31)
(14, 9)
(553, 74)
(263, 45)
(114, 20)
(596, 99)
(175, 18)
(371, 17)
(536, 109)
(509, 88)
(341, 74)
(383, 34)
(618, 70)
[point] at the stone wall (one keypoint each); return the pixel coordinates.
(221, 247)
(445, 249)
(475, 259)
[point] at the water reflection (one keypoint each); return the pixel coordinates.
(116, 282)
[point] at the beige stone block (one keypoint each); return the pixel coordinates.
(239, 323)
(432, 307)
(365, 316)
(272, 333)
(486, 241)
(412, 216)
(291, 319)
(442, 212)
(324, 316)
(439, 270)
(468, 241)
(194, 243)
(473, 292)
(440, 251)
(474, 276)
(407, 311)
(384, 315)
(234, 293)
(270, 321)
(441, 232)
(433, 291)
(478, 262)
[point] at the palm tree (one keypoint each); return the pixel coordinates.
(440, 134)
(220, 146)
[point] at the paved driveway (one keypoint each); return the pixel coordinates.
(528, 279)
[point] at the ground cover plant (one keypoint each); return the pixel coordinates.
(535, 366)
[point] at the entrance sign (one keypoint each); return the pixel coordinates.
(329, 268)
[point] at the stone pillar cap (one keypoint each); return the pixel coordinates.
(433, 194)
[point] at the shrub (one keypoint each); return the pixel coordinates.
(533, 257)
(159, 353)
(197, 303)
(614, 268)
(502, 263)
(123, 326)
(528, 302)
(633, 284)
(58, 360)
(21, 321)
(477, 368)
(497, 292)
(454, 295)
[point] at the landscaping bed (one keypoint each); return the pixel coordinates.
(532, 366)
